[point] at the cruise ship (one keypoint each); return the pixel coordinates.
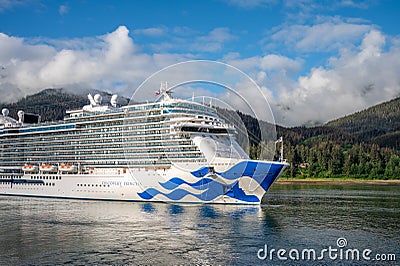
(171, 150)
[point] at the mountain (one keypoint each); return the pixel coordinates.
(51, 104)
(361, 145)
(379, 124)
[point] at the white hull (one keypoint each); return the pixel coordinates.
(114, 184)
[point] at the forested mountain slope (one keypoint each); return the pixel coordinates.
(379, 124)
(51, 104)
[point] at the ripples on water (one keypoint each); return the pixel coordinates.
(57, 231)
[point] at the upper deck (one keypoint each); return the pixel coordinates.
(99, 134)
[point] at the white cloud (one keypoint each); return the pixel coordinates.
(358, 77)
(248, 4)
(213, 41)
(354, 4)
(309, 6)
(153, 32)
(302, 5)
(63, 9)
(355, 80)
(278, 62)
(325, 36)
(10, 4)
(118, 45)
(371, 45)
(265, 68)
(107, 59)
(186, 40)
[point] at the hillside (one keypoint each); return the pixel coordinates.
(363, 145)
(52, 104)
(379, 124)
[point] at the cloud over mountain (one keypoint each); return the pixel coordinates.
(357, 78)
(110, 59)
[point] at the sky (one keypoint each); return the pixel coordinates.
(313, 61)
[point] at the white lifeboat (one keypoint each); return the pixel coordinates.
(30, 168)
(48, 168)
(68, 168)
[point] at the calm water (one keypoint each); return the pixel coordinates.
(55, 231)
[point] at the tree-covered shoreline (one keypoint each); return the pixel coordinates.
(331, 160)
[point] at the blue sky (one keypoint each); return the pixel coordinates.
(314, 60)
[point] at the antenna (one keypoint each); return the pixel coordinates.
(280, 140)
(165, 91)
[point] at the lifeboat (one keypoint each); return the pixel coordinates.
(48, 168)
(30, 168)
(68, 168)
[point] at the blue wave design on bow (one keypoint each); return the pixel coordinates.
(262, 172)
(176, 182)
(210, 194)
(179, 193)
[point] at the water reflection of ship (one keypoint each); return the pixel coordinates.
(270, 223)
(202, 234)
